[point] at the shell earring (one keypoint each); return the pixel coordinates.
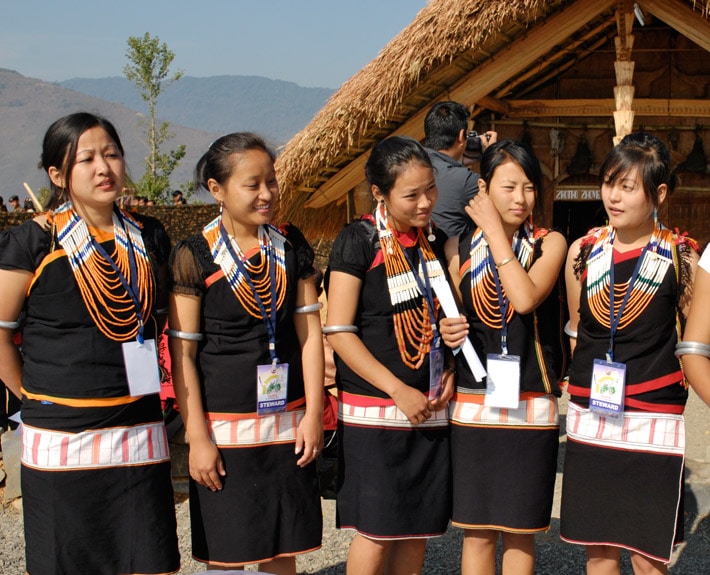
(431, 237)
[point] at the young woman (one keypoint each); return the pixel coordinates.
(504, 432)
(88, 277)
(628, 287)
(247, 360)
(393, 485)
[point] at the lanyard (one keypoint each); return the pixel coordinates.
(503, 301)
(425, 289)
(132, 288)
(269, 320)
(615, 319)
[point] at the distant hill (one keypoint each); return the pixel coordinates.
(272, 108)
(28, 106)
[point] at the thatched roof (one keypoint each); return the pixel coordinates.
(478, 52)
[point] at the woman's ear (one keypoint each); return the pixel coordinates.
(662, 193)
(377, 194)
(56, 177)
(215, 189)
(482, 189)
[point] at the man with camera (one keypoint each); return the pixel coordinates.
(447, 139)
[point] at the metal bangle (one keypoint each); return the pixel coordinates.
(692, 348)
(505, 261)
(190, 336)
(569, 331)
(338, 328)
(309, 308)
(9, 324)
(161, 311)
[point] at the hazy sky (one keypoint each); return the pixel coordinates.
(315, 43)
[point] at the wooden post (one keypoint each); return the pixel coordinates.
(624, 70)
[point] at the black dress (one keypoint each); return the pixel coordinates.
(623, 477)
(268, 506)
(504, 461)
(393, 477)
(96, 486)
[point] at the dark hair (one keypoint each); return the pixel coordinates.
(13, 199)
(518, 152)
(647, 153)
(217, 162)
(443, 124)
(59, 147)
(389, 158)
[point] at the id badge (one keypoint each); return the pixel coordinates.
(142, 369)
(503, 381)
(436, 372)
(271, 388)
(607, 392)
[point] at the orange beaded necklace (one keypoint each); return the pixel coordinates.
(107, 300)
(412, 323)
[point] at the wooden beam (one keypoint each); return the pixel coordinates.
(604, 107)
(681, 17)
(510, 61)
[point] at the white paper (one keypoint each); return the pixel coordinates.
(448, 304)
(503, 383)
(142, 370)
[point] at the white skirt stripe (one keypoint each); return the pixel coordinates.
(94, 449)
(387, 416)
(536, 412)
(635, 431)
(268, 429)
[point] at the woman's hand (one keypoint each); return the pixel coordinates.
(484, 214)
(449, 379)
(454, 331)
(309, 439)
(413, 403)
(205, 464)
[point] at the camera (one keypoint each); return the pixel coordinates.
(474, 144)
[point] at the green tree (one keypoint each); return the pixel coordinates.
(149, 69)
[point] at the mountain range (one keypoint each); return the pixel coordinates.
(199, 110)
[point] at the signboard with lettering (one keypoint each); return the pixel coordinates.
(577, 195)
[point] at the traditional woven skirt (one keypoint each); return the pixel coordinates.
(393, 477)
(98, 502)
(504, 463)
(623, 481)
(268, 506)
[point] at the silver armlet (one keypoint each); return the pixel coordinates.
(309, 308)
(692, 348)
(338, 328)
(569, 331)
(9, 324)
(190, 336)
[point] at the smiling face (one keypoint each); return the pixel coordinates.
(98, 172)
(626, 202)
(249, 194)
(512, 193)
(411, 198)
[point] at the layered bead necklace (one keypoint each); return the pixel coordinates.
(484, 293)
(272, 255)
(412, 314)
(656, 259)
(107, 300)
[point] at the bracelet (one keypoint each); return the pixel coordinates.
(692, 348)
(9, 324)
(569, 331)
(190, 336)
(309, 308)
(339, 328)
(505, 261)
(161, 311)
(450, 368)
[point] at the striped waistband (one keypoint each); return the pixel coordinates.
(377, 412)
(94, 449)
(264, 430)
(634, 431)
(534, 411)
